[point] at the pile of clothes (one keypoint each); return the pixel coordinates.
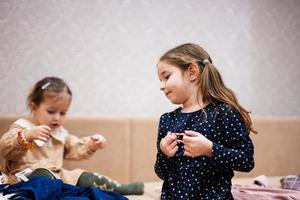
(262, 189)
(43, 188)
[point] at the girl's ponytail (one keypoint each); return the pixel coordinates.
(213, 89)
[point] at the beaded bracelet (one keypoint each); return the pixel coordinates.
(22, 139)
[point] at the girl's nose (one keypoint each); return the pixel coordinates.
(56, 116)
(162, 85)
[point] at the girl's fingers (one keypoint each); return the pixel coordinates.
(174, 150)
(186, 148)
(191, 133)
(46, 128)
(190, 136)
(44, 139)
(187, 139)
(188, 152)
(97, 141)
(169, 139)
(45, 132)
(173, 144)
(95, 138)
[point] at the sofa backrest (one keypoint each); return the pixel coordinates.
(277, 147)
(131, 150)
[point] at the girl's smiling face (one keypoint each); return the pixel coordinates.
(174, 82)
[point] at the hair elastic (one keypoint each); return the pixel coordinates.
(205, 62)
(45, 85)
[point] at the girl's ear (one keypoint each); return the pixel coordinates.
(193, 72)
(32, 106)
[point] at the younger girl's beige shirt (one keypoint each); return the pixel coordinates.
(49, 155)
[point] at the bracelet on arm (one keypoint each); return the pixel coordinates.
(22, 139)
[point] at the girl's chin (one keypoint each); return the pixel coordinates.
(174, 101)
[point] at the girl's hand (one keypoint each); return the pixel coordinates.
(97, 141)
(195, 144)
(168, 145)
(41, 132)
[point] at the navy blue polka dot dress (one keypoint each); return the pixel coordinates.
(204, 177)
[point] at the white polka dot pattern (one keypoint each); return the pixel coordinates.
(203, 177)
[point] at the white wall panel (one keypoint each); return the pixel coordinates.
(107, 51)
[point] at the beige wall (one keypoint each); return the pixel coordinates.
(131, 148)
(107, 51)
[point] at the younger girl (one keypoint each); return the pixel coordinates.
(202, 142)
(38, 145)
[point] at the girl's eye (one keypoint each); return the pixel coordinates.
(63, 113)
(50, 111)
(167, 77)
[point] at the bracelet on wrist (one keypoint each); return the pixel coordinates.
(23, 141)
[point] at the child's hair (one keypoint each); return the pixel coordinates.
(211, 84)
(47, 87)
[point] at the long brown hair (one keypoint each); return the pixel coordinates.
(211, 84)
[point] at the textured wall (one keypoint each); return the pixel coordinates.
(107, 51)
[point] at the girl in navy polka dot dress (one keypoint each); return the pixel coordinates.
(202, 142)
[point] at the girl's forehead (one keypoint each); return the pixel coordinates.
(164, 66)
(56, 95)
(59, 98)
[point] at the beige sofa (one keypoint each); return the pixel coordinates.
(130, 153)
